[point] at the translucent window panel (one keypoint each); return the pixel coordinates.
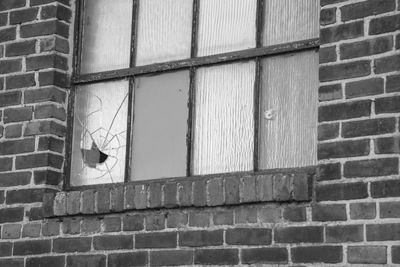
(224, 122)
(226, 25)
(164, 30)
(99, 133)
(106, 35)
(288, 123)
(160, 126)
(290, 20)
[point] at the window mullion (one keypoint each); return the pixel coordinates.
(130, 120)
(191, 103)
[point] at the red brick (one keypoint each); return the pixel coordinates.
(387, 145)
(329, 212)
(171, 257)
(383, 232)
(330, 92)
(17, 146)
(155, 195)
(155, 221)
(77, 244)
(46, 261)
(366, 8)
(20, 81)
(389, 209)
(8, 34)
(307, 234)
(24, 15)
(295, 214)
(25, 195)
(50, 143)
(367, 87)
(201, 238)
(393, 83)
(20, 48)
(345, 70)
(44, 127)
(112, 224)
(396, 254)
(370, 168)
(50, 94)
(5, 249)
(97, 260)
(113, 242)
(215, 188)
(343, 149)
(264, 255)
(342, 32)
(32, 247)
(362, 211)
(5, 165)
(328, 16)
(384, 24)
(10, 4)
(17, 114)
(9, 66)
(44, 28)
(216, 256)
(39, 160)
(133, 223)
(344, 111)
(59, 12)
(325, 254)
(382, 189)
(10, 99)
(224, 217)
(328, 131)
(128, 259)
(344, 233)
(46, 62)
(367, 254)
(11, 214)
(387, 64)
(156, 240)
(327, 54)
(387, 104)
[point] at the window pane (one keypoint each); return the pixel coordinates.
(290, 20)
(99, 134)
(224, 128)
(106, 35)
(226, 25)
(164, 30)
(160, 126)
(290, 92)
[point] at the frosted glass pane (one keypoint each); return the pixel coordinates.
(106, 35)
(164, 30)
(224, 128)
(99, 134)
(290, 94)
(160, 126)
(226, 25)
(290, 20)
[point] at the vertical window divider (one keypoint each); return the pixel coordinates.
(192, 86)
(257, 84)
(131, 99)
(76, 66)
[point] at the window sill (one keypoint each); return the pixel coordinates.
(281, 185)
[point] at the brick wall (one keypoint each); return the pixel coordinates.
(352, 218)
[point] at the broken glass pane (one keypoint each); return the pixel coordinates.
(99, 133)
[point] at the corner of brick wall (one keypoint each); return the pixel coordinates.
(35, 66)
(358, 132)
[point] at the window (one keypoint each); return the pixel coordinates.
(172, 88)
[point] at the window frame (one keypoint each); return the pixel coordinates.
(256, 54)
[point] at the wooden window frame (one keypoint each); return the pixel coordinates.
(255, 54)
